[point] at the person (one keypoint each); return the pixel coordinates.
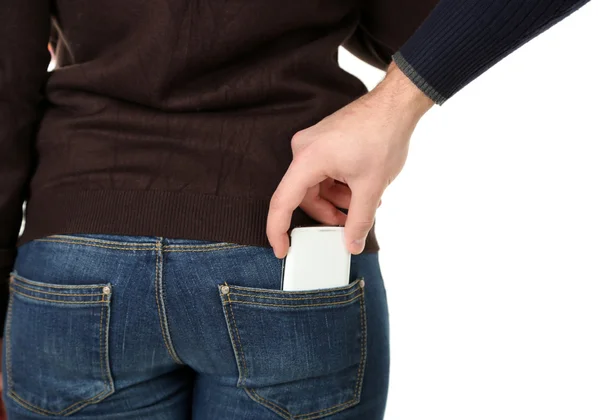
(157, 171)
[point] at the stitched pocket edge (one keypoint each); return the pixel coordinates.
(236, 343)
(109, 387)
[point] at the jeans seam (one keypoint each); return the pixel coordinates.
(138, 246)
(85, 240)
(141, 247)
(161, 306)
(205, 249)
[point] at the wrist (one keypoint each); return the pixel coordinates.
(401, 93)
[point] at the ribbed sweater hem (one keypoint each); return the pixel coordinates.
(166, 214)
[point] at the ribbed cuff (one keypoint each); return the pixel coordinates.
(461, 39)
(416, 78)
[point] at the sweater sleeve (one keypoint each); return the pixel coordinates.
(24, 58)
(384, 25)
(461, 39)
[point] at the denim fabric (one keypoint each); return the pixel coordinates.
(113, 327)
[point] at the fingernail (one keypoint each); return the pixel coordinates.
(279, 253)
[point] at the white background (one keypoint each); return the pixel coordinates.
(491, 240)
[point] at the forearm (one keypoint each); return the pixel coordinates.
(461, 39)
(399, 93)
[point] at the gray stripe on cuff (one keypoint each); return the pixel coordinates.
(416, 78)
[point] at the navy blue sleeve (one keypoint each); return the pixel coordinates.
(461, 39)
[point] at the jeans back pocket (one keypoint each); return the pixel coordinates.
(300, 354)
(56, 342)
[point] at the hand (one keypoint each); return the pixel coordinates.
(347, 160)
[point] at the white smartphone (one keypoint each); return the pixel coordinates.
(317, 259)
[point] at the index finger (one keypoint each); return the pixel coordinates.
(361, 215)
(288, 196)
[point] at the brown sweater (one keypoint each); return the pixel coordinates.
(171, 118)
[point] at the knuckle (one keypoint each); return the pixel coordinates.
(298, 140)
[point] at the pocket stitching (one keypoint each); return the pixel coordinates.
(258, 291)
(20, 286)
(363, 348)
(68, 302)
(279, 410)
(144, 246)
(297, 306)
(7, 344)
(327, 411)
(109, 386)
(282, 411)
(243, 372)
(294, 298)
(55, 286)
(73, 407)
(307, 416)
(104, 362)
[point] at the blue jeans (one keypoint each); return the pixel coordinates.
(113, 327)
